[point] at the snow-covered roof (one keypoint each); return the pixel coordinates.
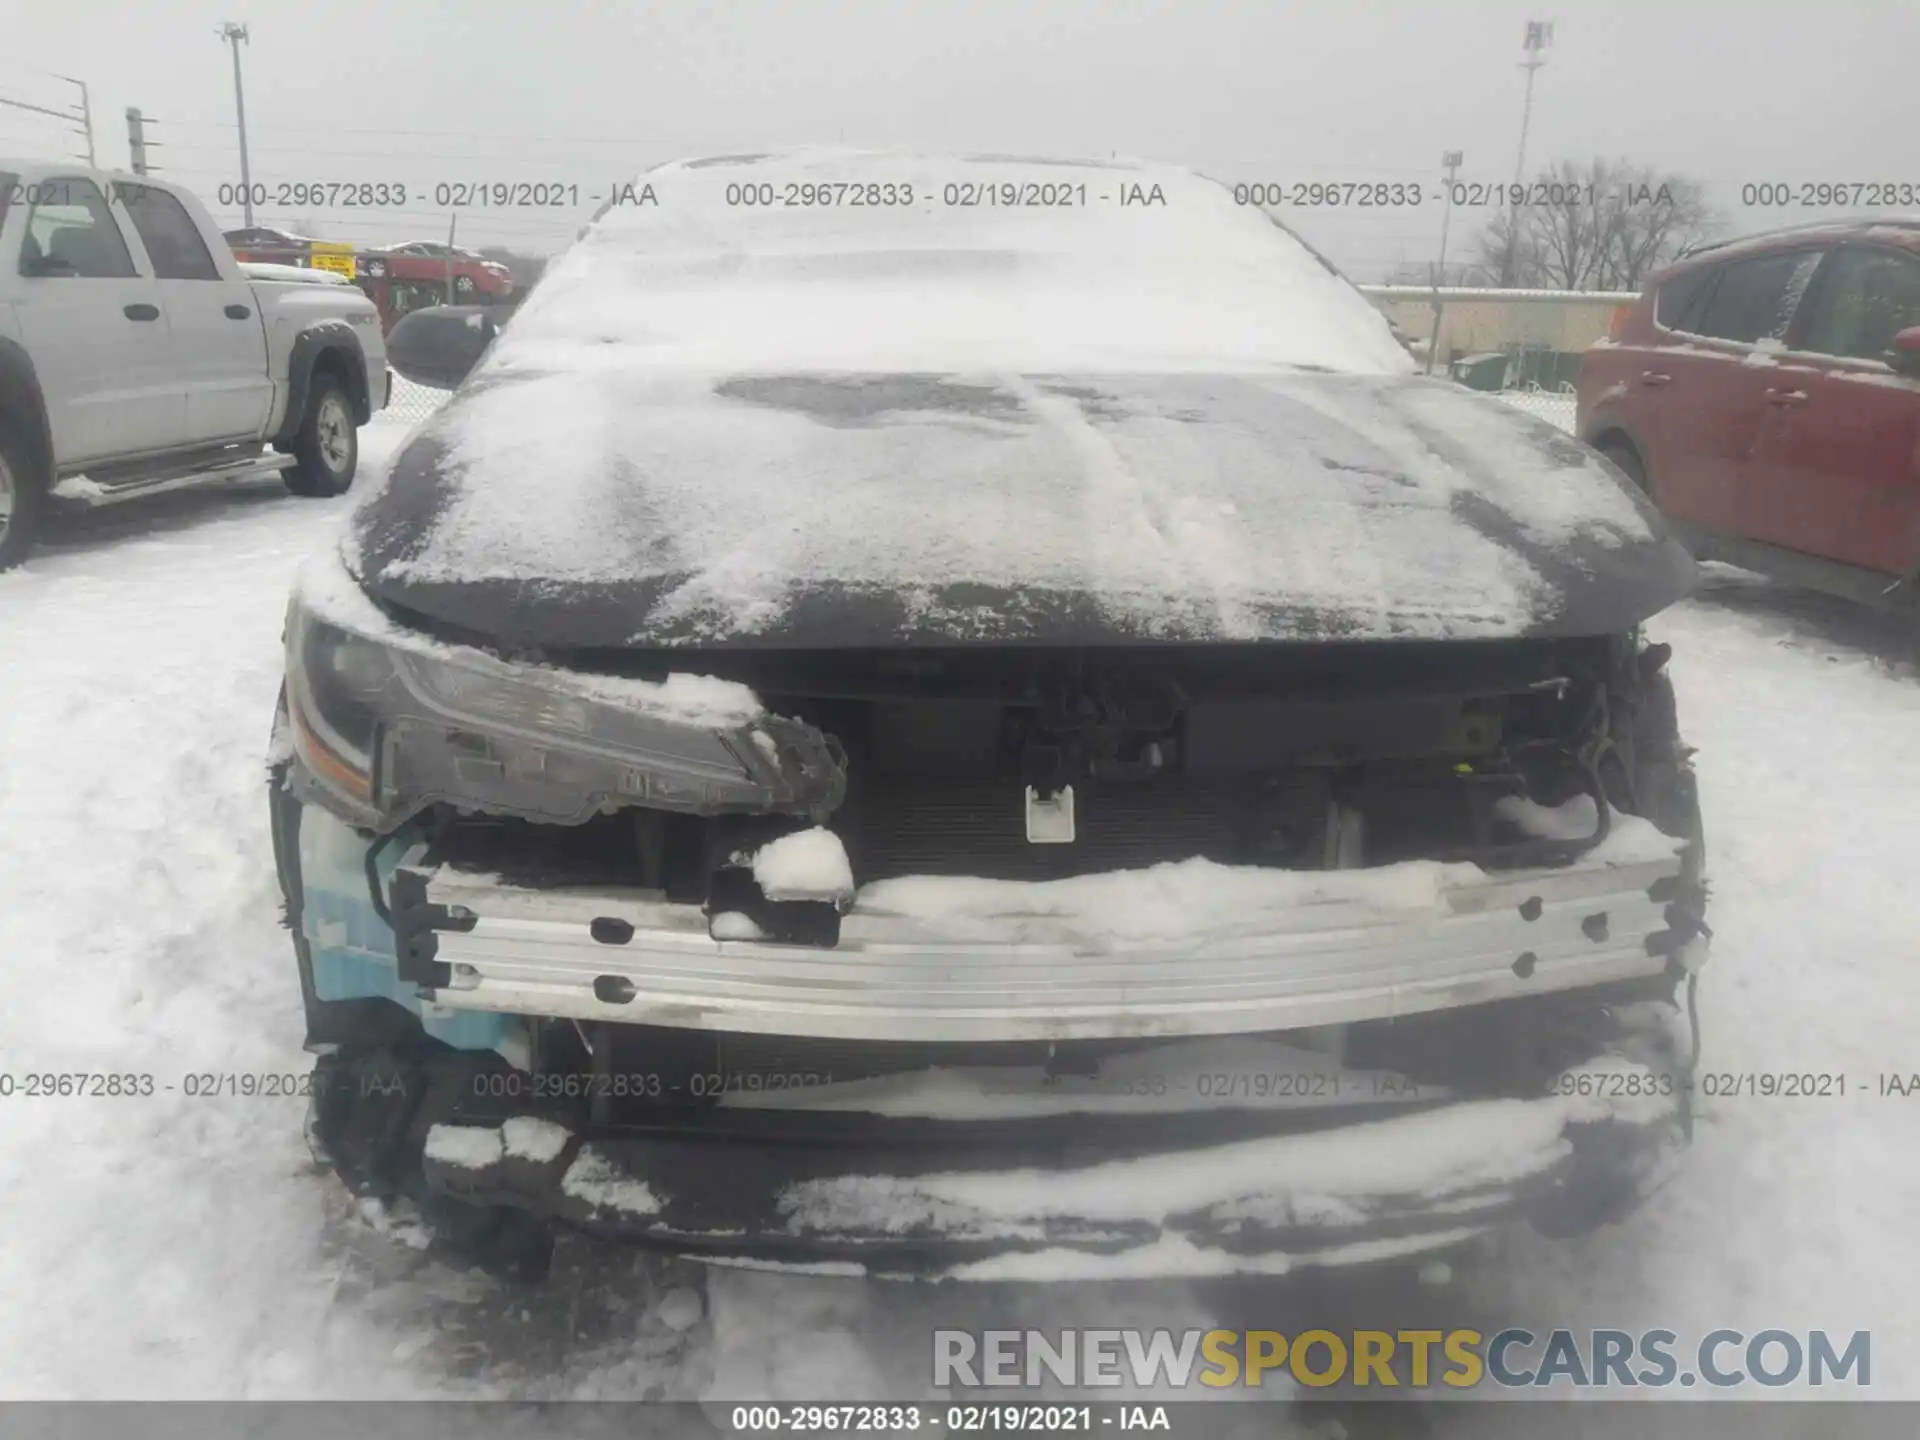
(1494, 292)
(1806, 229)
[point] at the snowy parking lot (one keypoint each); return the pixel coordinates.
(174, 1240)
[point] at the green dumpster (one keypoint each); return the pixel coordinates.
(1486, 371)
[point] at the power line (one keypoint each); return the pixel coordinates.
(375, 154)
(390, 130)
(1294, 169)
(83, 112)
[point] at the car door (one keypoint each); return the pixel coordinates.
(95, 329)
(1837, 472)
(217, 333)
(1713, 383)
(1626, 382)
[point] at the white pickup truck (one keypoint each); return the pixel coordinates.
(137, 355)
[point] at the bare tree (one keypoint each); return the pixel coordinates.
(1567, 233)
(1648, 235)
(1597, 225)
(1491, 248)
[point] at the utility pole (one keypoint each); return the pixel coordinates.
(233, 34)
(1452, 159)
(137, 141)
(1539, 37)
(83, 112)
(86, 115)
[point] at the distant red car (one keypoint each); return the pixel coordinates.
(1766, 393)
(476, 279)
(265, 245)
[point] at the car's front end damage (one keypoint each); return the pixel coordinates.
(946, 741)
(997, 963)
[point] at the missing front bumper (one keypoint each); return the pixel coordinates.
(1273, 950)
(1057, 1197)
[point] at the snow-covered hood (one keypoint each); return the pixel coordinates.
(838, 398)
(681, 508)
(290, 274)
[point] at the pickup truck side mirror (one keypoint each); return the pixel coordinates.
(1903, 354)
(439, 346)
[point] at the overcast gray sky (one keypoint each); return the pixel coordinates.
(423, 91)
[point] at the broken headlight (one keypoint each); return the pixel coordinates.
(386, 723)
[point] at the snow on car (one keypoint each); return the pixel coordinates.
(950, 736)
(290, 274)
(191, 1243)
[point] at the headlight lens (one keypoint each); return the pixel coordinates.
(336, 685)
(387, 728)
(346, 678)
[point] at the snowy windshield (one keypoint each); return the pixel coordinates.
(842, 260)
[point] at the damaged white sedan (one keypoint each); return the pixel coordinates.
(973, 716)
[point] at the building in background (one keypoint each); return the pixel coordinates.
(1541, 332)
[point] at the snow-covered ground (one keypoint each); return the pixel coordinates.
(178, 1245)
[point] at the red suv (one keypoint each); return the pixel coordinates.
(1766, 393)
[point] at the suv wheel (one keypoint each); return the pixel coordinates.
(21, 494)
(327, 448)
(1628, 459)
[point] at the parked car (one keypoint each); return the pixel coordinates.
(1766, 393)
(475, 278)
(267, 238)
(136, 356)
(264, 245)
(1001, 730)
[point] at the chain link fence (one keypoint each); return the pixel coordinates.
(1553, 406)
(409, 403)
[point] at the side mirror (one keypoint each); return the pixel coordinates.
(439, 346)
(1904, 353)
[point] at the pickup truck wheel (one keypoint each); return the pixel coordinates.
(327, 447)
(1628, 459)
(21, 493)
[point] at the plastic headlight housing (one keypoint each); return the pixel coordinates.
(337, 687)
(387, 726)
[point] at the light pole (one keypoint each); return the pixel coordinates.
(233, 34)
(1452, 159)
(1539, 37)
